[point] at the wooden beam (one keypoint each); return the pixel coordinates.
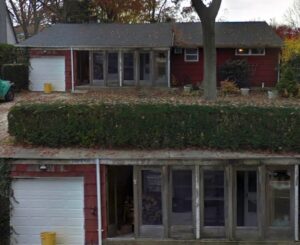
(169, 68)
(105, 67)
(165, 203)
(136, 201)
(197, 201)
(120, 63)
(137, 67)
(261, 215)
(152, 78)
(296, 214)
(229, 200)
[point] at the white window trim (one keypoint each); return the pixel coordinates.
(250, 52)
(185, 54)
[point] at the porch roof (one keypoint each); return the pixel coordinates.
(158, 35)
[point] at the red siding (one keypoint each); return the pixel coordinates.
(90, 191)
(192, 72)
(67, 54)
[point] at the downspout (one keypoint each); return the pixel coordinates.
(72, 69)
(98, 176)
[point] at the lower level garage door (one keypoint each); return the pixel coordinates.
(48, 205)
(47, 70)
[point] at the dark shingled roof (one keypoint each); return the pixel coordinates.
(228, 34)
(103, 35)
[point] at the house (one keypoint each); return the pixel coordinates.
(136, 197)
(7, 33)
(161, 54)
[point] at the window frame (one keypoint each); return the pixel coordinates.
(250, 52)
(186, 55)
(178, 50)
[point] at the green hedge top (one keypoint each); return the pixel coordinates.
(156, 126)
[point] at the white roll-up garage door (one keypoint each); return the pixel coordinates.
(48, 205)
(47, 70)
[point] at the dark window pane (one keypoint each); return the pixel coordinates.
(98, 66)
(182, 197)
(144, 66)
(112, 66)
(151, 198)
(246, 198)
(213, 198)
(279, 191)
(128, 66)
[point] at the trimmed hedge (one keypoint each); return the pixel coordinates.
(18, 74)
(5, 194)
(156, 126)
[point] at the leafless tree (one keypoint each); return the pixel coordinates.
(293, 15)
(27, 14)
(207, 11)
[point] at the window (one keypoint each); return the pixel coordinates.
(246, 198)
(214, 202)
(250, 51)
(191, 55)
(151, 197)
(182, 197)
(177, 50)
(279, 188)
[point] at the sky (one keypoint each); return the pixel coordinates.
(259, 10)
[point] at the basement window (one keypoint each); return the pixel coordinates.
(250, 51)
(191, 55)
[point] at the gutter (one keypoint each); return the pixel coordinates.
(98, 177)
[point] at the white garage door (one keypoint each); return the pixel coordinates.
(47, 70)
(48, 205)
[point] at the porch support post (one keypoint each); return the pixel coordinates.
(296, 215)
(197, 200)
(136, 67)
(120, 68)
(262, 202)
(98, 176)
(72, 70)
(105, 67)
(169, 68)
(165, 205)
(152, 67)
(91, 66)
(229, 226)
(136, 207)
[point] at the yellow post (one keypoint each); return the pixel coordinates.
(47, 88)
(48, 238)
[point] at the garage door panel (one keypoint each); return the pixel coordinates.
(47, 70)
(62, 213)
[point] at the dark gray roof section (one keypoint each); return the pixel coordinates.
(103, 35)
(228, 34)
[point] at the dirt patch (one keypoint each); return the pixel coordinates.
(173, 96)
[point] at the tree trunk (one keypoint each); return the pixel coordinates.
(208, 16)
(210, 60)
